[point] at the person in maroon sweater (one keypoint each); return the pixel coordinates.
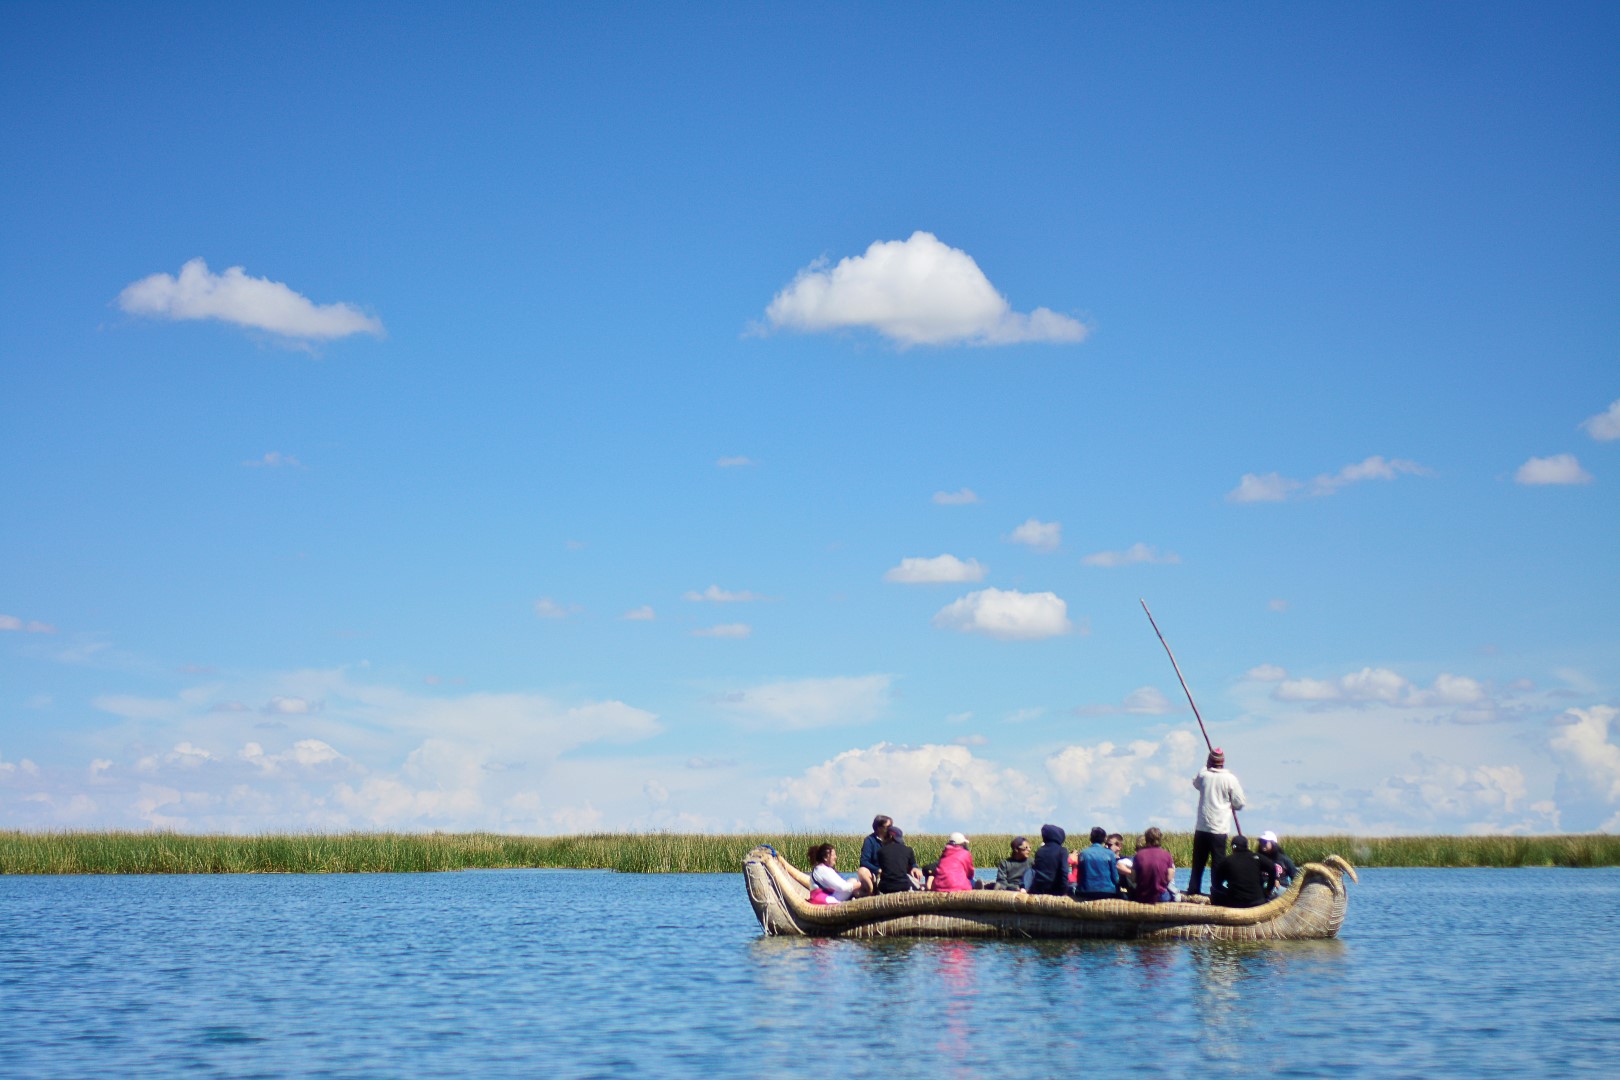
(1152, 868)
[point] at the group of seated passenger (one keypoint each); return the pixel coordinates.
(1099, 871)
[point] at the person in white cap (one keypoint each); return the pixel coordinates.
(1283, 868)
(1219, 793)
(955, 870)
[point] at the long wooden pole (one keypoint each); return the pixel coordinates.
(1168, 652)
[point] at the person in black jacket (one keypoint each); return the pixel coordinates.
(1282, 867)
(897, 864)
(1242, 879)
(1051, 864)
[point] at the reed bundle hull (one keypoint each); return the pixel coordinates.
(1313, 907)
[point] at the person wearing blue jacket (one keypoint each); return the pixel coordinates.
(1099, 869)
(1049, 870)
(869, 870)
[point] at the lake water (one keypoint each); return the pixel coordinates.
(578, 973)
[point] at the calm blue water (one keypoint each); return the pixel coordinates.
(569, 973)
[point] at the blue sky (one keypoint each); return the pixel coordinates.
(750, 418)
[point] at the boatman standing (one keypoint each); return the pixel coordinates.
(1219, 793)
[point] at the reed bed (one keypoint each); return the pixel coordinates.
(662, 853)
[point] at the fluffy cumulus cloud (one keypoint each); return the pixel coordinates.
(234, 297)
(1274, 487)
(1605, 426)
(1558, 469)
(1040, 535)
(1443, 795)
(922, 787)
(1142, 782)
(1007, 614)
(1379, 686)
(1131, 556)
(940, 568)
(809, 703)
(963, 497)
(370, 757)
(547, 608)
(644, 613)
(918, 291)
(1588, 789)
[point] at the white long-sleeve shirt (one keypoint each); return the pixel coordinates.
(1219, 793)
(837, 887)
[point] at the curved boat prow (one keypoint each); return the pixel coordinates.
(779, 892)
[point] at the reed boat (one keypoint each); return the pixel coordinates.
(1313, 907)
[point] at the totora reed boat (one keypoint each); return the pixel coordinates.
(1313, 907)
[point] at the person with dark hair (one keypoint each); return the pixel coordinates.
(1013, 872)
(833, 887)
(1099, 870)
(1152, 867)
(1050, 867)
(1219, 793)
(1242, 879)
(1116, 844)
(897, 864)
(868, 869)
(1283, 870)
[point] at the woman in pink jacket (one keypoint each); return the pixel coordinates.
(955, 870)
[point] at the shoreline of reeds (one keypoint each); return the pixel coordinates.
(655, 853)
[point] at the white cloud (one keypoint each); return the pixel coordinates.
(644, 613)
(31, 626)
(1136, 553)
(1558, 469)
(1143, 701)
(1605, 426)
(1007, 614)
(1274, 487)
(1104, 777)
(1474, 799)
(714, 594)
(1040, 535)
(1266, 673)
(275, 459)
(921, 787)
(964, 497)
(304, 754)
(1277, 605)
(724, 630)
(234, 297)
(547, 608)
(1380, 686)
(970, 740)
(1373, 468)
(1588, 787)
(940, 568)
(736, 462)
(810, 703)
(290, 706)
(914, 292)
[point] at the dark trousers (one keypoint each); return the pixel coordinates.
(1208, 848)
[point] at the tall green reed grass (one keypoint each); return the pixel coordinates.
(657, 853)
